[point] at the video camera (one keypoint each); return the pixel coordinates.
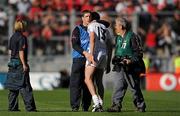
(119, 60)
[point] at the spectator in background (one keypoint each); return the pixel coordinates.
(47, 33)
(35, 32)
(150, 40)
(97, 5)
(35, 10)
(108, 5)
(166, 38)
(45, 4)
(48, 17)
(120, 6)
(165, 5)
(151, 47)
(86, 5)
(152, 9)
(129, 10)
(3, 22)
(77, 5)
(64, 27)
(23, 7)
(176, 26)
(56, 27)
(35, 14)
(144, 15)
(48, 20)
(13, 4)
(60, 5)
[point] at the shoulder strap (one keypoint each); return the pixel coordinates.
(139, 41)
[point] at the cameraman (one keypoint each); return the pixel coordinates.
(127, 61)
(18, 80)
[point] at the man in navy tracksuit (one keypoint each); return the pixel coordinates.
(80, 43)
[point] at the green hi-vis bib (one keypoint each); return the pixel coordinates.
(123, 47)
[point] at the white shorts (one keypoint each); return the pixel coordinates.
(101, 60)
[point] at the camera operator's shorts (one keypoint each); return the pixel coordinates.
(100, 58)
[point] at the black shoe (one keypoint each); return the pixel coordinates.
(114, 108)
(85, 110)
(16, 110)
(141, 110)
(75, 110)
(32, 110)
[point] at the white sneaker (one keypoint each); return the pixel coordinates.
(97, 108)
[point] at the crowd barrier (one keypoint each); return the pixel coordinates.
(162, 82)
(153, 81)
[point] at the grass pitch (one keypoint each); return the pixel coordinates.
(56, 103)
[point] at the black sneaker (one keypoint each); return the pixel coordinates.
(85, 109)
(34, 110)
(16, 110)
(141, 110)
(75, 110)
(114, 108)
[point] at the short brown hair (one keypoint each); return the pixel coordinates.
(85, 12)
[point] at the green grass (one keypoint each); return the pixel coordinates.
(56, 103)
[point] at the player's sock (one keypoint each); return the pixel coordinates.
(95, 100)
(100, 100)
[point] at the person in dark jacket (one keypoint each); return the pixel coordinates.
(18, 74)
(80, 42)
(128, 65)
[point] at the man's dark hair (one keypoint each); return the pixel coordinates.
(95, 16)
(85, 12)
(105, 23)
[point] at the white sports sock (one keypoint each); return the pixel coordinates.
(95, 100)
(100, 100)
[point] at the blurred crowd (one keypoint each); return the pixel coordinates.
(158, 23)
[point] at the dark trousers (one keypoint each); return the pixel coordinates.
(124, 79)
(98, 80)
(27, 95)
(78, 88)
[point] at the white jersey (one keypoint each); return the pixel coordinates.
(100, 37)
(100, 49)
